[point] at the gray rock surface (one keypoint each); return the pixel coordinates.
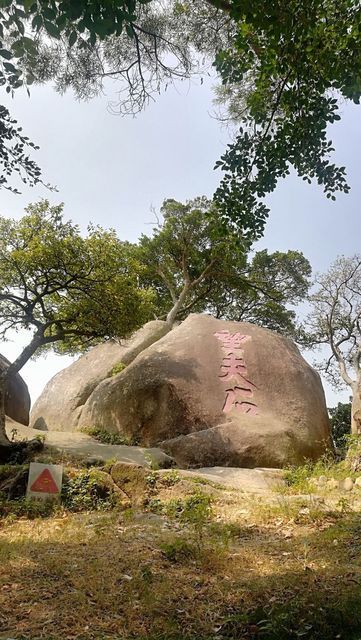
(83, 446)
(133, 460)
(347, 484)
(59, 406)
(17, 398)
(214, 392)
(245, 480)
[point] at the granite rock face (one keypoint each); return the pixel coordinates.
(215, 392)
(60, 405)
(17, 398)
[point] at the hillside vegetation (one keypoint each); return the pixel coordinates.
(169, 558)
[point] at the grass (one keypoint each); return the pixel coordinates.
(203, 564)
(105, 437)
(82, 490)
(58, 582)
(118, 368)
(301, 479)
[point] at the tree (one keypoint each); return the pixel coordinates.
(66, 290)
(79, 45)
(193, 268)
(288, 69)
(335, 320)
(13, 158)
(288, 65)
(340, 419)
(285, 68)
(143, 43)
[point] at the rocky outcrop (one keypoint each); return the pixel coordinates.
(132, 479)
(17, 398)
(217, 393)
(60, 405)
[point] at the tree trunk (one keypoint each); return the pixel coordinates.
(4, 441)
(356, 408)
(172, 315)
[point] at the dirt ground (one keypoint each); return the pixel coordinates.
(246, 568)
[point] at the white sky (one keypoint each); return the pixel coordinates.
(110, 170)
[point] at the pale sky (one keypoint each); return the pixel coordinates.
(111, 170)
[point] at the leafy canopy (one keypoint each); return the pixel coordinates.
(67, 290)
(26, 26)
(285, 67)
(193, 268)
(296, 61)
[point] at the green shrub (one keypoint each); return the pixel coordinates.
(178, 550)
(82, 490)
(193, 511)
(118, 368)
(151, 479)
(154, 505)
(222, 533)
(27, 507)
(105, 437)
(340, 418)
(88, 490)
(8, 471)
(299, 479)
(169, 478)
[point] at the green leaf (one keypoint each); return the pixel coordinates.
(52, 29)
(129, 31)
(61, 21)
(37, 22)
(29, 4)
(4, 53)
(49, 13)
(10, 68)
(72, 38)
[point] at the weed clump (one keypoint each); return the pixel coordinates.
(27, 508)
(105, 437)
(118, 368)
(88, 490)
(301, 479)
(178, 550)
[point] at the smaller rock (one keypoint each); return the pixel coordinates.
(347, 484)
(130, 478)
(333, 484)
(17, 398)
(358, 482)
(322, 480)
(105, 485)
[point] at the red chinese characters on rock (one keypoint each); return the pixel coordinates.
(234, 368)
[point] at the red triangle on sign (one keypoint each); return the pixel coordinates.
(44, 483)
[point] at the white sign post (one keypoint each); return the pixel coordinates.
(44, 480)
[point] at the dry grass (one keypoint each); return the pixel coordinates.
(263, 571)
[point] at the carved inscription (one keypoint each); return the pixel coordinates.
(234, 371)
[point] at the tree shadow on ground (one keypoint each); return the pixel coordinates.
(100, 577)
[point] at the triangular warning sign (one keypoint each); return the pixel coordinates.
(44, 483)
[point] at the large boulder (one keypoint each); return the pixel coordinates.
(59, 406)
(215, 392)
(17, 398)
